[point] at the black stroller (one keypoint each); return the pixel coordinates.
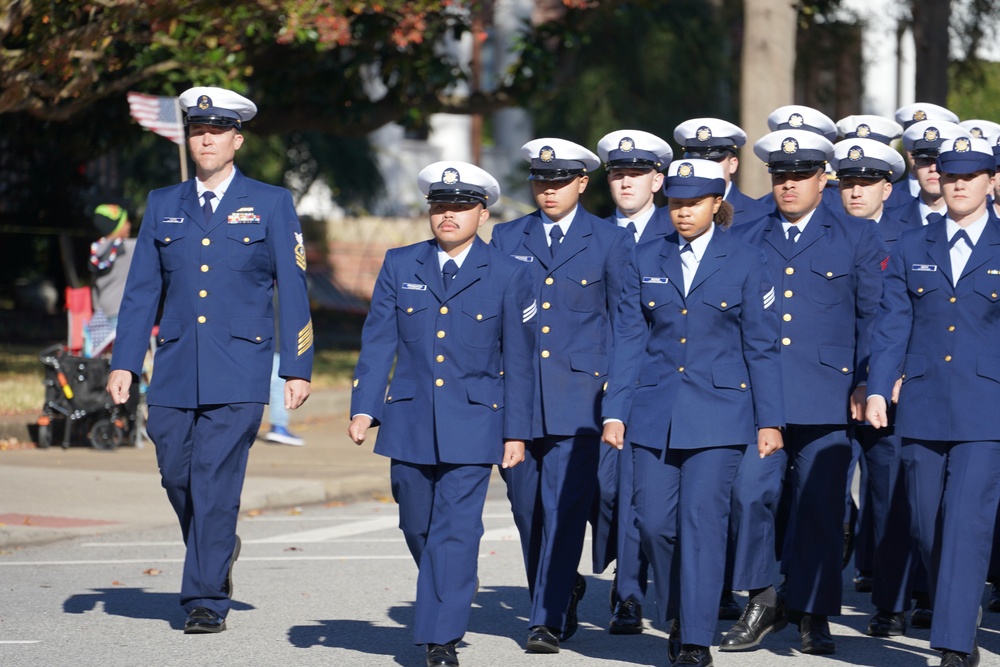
(75, 396)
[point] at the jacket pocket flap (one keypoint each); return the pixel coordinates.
(591, 364)
(400, 390)
(722, 297)
(829, 267)
(169, 330)
(914, 366)
(481, 309)
(253, 329)
(585, 275)
(246, 234)
(731, 376)
(989, 367)
(490, 396)
(839, 358)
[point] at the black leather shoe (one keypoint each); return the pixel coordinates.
(442, 654)
(694, 656)
(571, 623)
(863, 582)
(203, 620)
(757, 620)
(994, 598)
(674, 641)
(886, 624)
(729, 609)
(542, 639)
(227, 585)
(627, 619)
(815, 631)
(921, 616)
(957, 659)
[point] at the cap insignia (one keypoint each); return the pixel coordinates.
(204, 102)
(686, 170)
(855, 153)
(962, 145)
(931, 134)
(977, 132)
(863, 131)
(450, 176)
(919, 115)
(703, 133)
(789, 146)
(626, 145)
(547, 154)
(796, 120)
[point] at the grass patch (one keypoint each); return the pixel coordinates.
(333, 368)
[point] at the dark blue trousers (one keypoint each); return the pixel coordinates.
(441, 516)
(889, 511)
(550, 495)
(202, 455)
(813, 552)
(603, 513)
(954, 490)
(751, 558)
(633, 566)
(682, 499)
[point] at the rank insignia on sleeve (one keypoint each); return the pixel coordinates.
(885, 263)
(768, 295)
(300, 251)
(528, 313)
(305, 338)
(243, 216)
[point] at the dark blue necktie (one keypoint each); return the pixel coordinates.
(206, 208)
(960, 234)
(793, 235)
(556, 235)
(632, 228)
(933, 217)
(448, 272)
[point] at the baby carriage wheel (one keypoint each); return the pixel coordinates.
(105, 434)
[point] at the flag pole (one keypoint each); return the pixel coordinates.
(182, 147)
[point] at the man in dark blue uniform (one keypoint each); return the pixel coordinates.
(922, 143)
(576, 261)
(799, 117)
(635, 161)
(827, 271)
(214, 250)
(866, 168)
(458, 319)
(908, 116)
(934, 354)
(719, 140)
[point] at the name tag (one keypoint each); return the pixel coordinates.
(415, 286)
(172, 221)
(524, 258)
(654, 280)
(924, 267)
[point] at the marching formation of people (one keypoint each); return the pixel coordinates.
(696, 381)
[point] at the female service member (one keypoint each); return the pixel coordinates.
(695, 377)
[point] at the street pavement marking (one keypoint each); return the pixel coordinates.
(333, 532)
(20, 641)
(139, 561)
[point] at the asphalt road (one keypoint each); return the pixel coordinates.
(334, 586)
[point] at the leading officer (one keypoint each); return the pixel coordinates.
(213, 249)
(458, 319)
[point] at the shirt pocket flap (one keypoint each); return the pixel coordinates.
(168, 234)
(591, 364)
(246, 234)
(723, 298)
(988, 286)
(585, 275)
(830, 267)
(253, 329)
(481, 309)
(490, 396)
(839, 358)
(731, 376)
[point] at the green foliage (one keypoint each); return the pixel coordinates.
(975, 93)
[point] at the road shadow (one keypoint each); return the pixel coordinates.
(366, 637)
(135, 603)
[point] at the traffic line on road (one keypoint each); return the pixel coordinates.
(334, 532)
(20, 641)
(141, 561)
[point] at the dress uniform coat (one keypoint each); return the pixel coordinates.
(679, 362)
(942, 339)
(463, 383)
(215, 350)
(577, 292)
(745, 208)
(827, 288)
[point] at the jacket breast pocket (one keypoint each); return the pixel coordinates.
(656, 295)
(585, 291)
(246, 247)
(988, 287)
(410, 319)
(829, 282)
(723, 298)
(480, 322)
(921, 283)
(169, 244)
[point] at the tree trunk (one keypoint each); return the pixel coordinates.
(767, 79)
(930, 37)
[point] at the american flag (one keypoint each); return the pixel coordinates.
(162, 115)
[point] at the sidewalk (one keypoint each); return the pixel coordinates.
(55, 493)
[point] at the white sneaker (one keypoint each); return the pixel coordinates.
(282, 436)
